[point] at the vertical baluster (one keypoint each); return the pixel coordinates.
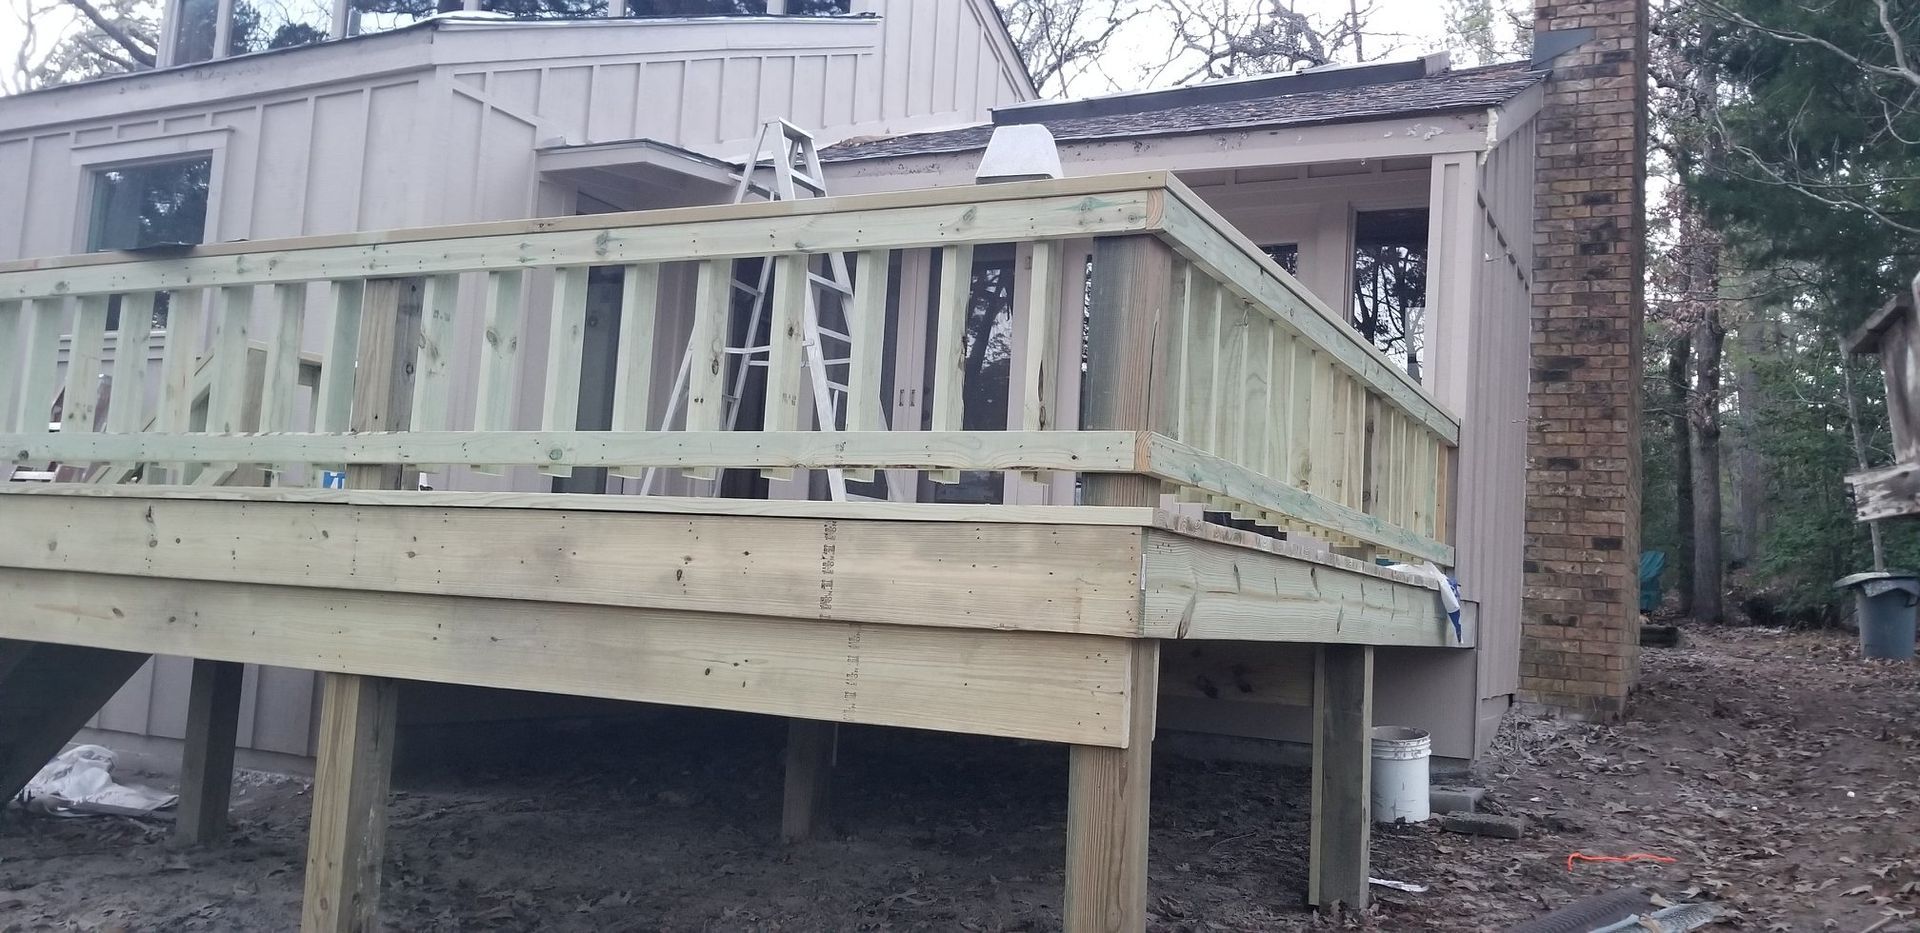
(1261, 403)
(499, 356)
(1306, 363)
(786, 337)
(1201, 364)
(712, 300)
(1229, 390)
(126, 401)
(1256, 413)
(565, 345)
(80, 400)
(1279, 405)
(1042, 306)
(866, 332)
(281, 379)
(46, 318)
(11, 313)
(1357, 469)
(1396, 488)
(336, 370)
(1336, 467)
(179, 363)
(226, 390)
(82, 396)
(949, 351)
(633, 359)
(433, 364)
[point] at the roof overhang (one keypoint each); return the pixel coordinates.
(639, 174)
(1399, 137)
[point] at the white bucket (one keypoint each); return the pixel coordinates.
(1400, 786)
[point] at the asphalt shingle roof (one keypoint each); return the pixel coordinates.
(1466, 89)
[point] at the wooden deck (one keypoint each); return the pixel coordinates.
(1215, 387)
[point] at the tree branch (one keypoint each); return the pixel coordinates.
(139, 51)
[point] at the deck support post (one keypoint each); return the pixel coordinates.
(1107, 788)
(809, 783)
(1107, 823)
(347, 839)
(206, 761)
(1342, 776)
(353, 769)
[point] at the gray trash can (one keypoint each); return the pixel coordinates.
(1886, 604)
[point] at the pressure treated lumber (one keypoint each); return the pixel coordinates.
(1128, 335)
(351, 777)
(1193, 588)
(206, 758)
(965, 574)
(1111, 451)
(1107, 804)
(809, 778)
(607, 242)
(1045, 686)
(353, 764)
(1342, 819)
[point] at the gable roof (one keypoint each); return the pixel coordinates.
(1285, 100)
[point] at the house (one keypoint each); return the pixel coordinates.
(1317, 324)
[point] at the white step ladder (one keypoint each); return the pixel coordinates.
(786, 152)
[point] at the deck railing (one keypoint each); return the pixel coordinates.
(1260, 401)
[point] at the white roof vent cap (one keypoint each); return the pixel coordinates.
(1019, 152)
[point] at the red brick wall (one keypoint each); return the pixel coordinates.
(1580, 629)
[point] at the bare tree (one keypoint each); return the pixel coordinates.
(1061, 40)
(1225, 38)
(91, 38)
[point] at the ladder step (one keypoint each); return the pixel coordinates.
(740, 286)
(747, 351)
(843, 338)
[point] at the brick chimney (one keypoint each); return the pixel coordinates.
(1580, 629)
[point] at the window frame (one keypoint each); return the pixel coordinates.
(92, 160)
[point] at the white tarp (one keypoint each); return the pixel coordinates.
(80, 781)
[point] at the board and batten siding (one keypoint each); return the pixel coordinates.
(1486, 202)
(440, 124)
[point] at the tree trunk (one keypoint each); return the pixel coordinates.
(1708, 562)
(1749, 467)
(1679, 358)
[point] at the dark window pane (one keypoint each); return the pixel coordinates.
(1286, 254)
(155, 204)
(1390, 283)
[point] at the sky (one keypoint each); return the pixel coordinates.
(1403, 28)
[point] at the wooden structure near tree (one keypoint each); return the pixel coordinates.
(1893, 332)
(1210, 376)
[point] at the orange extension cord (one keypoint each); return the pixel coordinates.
(1630, 857)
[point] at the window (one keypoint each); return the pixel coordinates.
(150, 204)
(1286, 254)
(1390, 283)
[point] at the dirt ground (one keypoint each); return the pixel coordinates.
(1777, 770)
